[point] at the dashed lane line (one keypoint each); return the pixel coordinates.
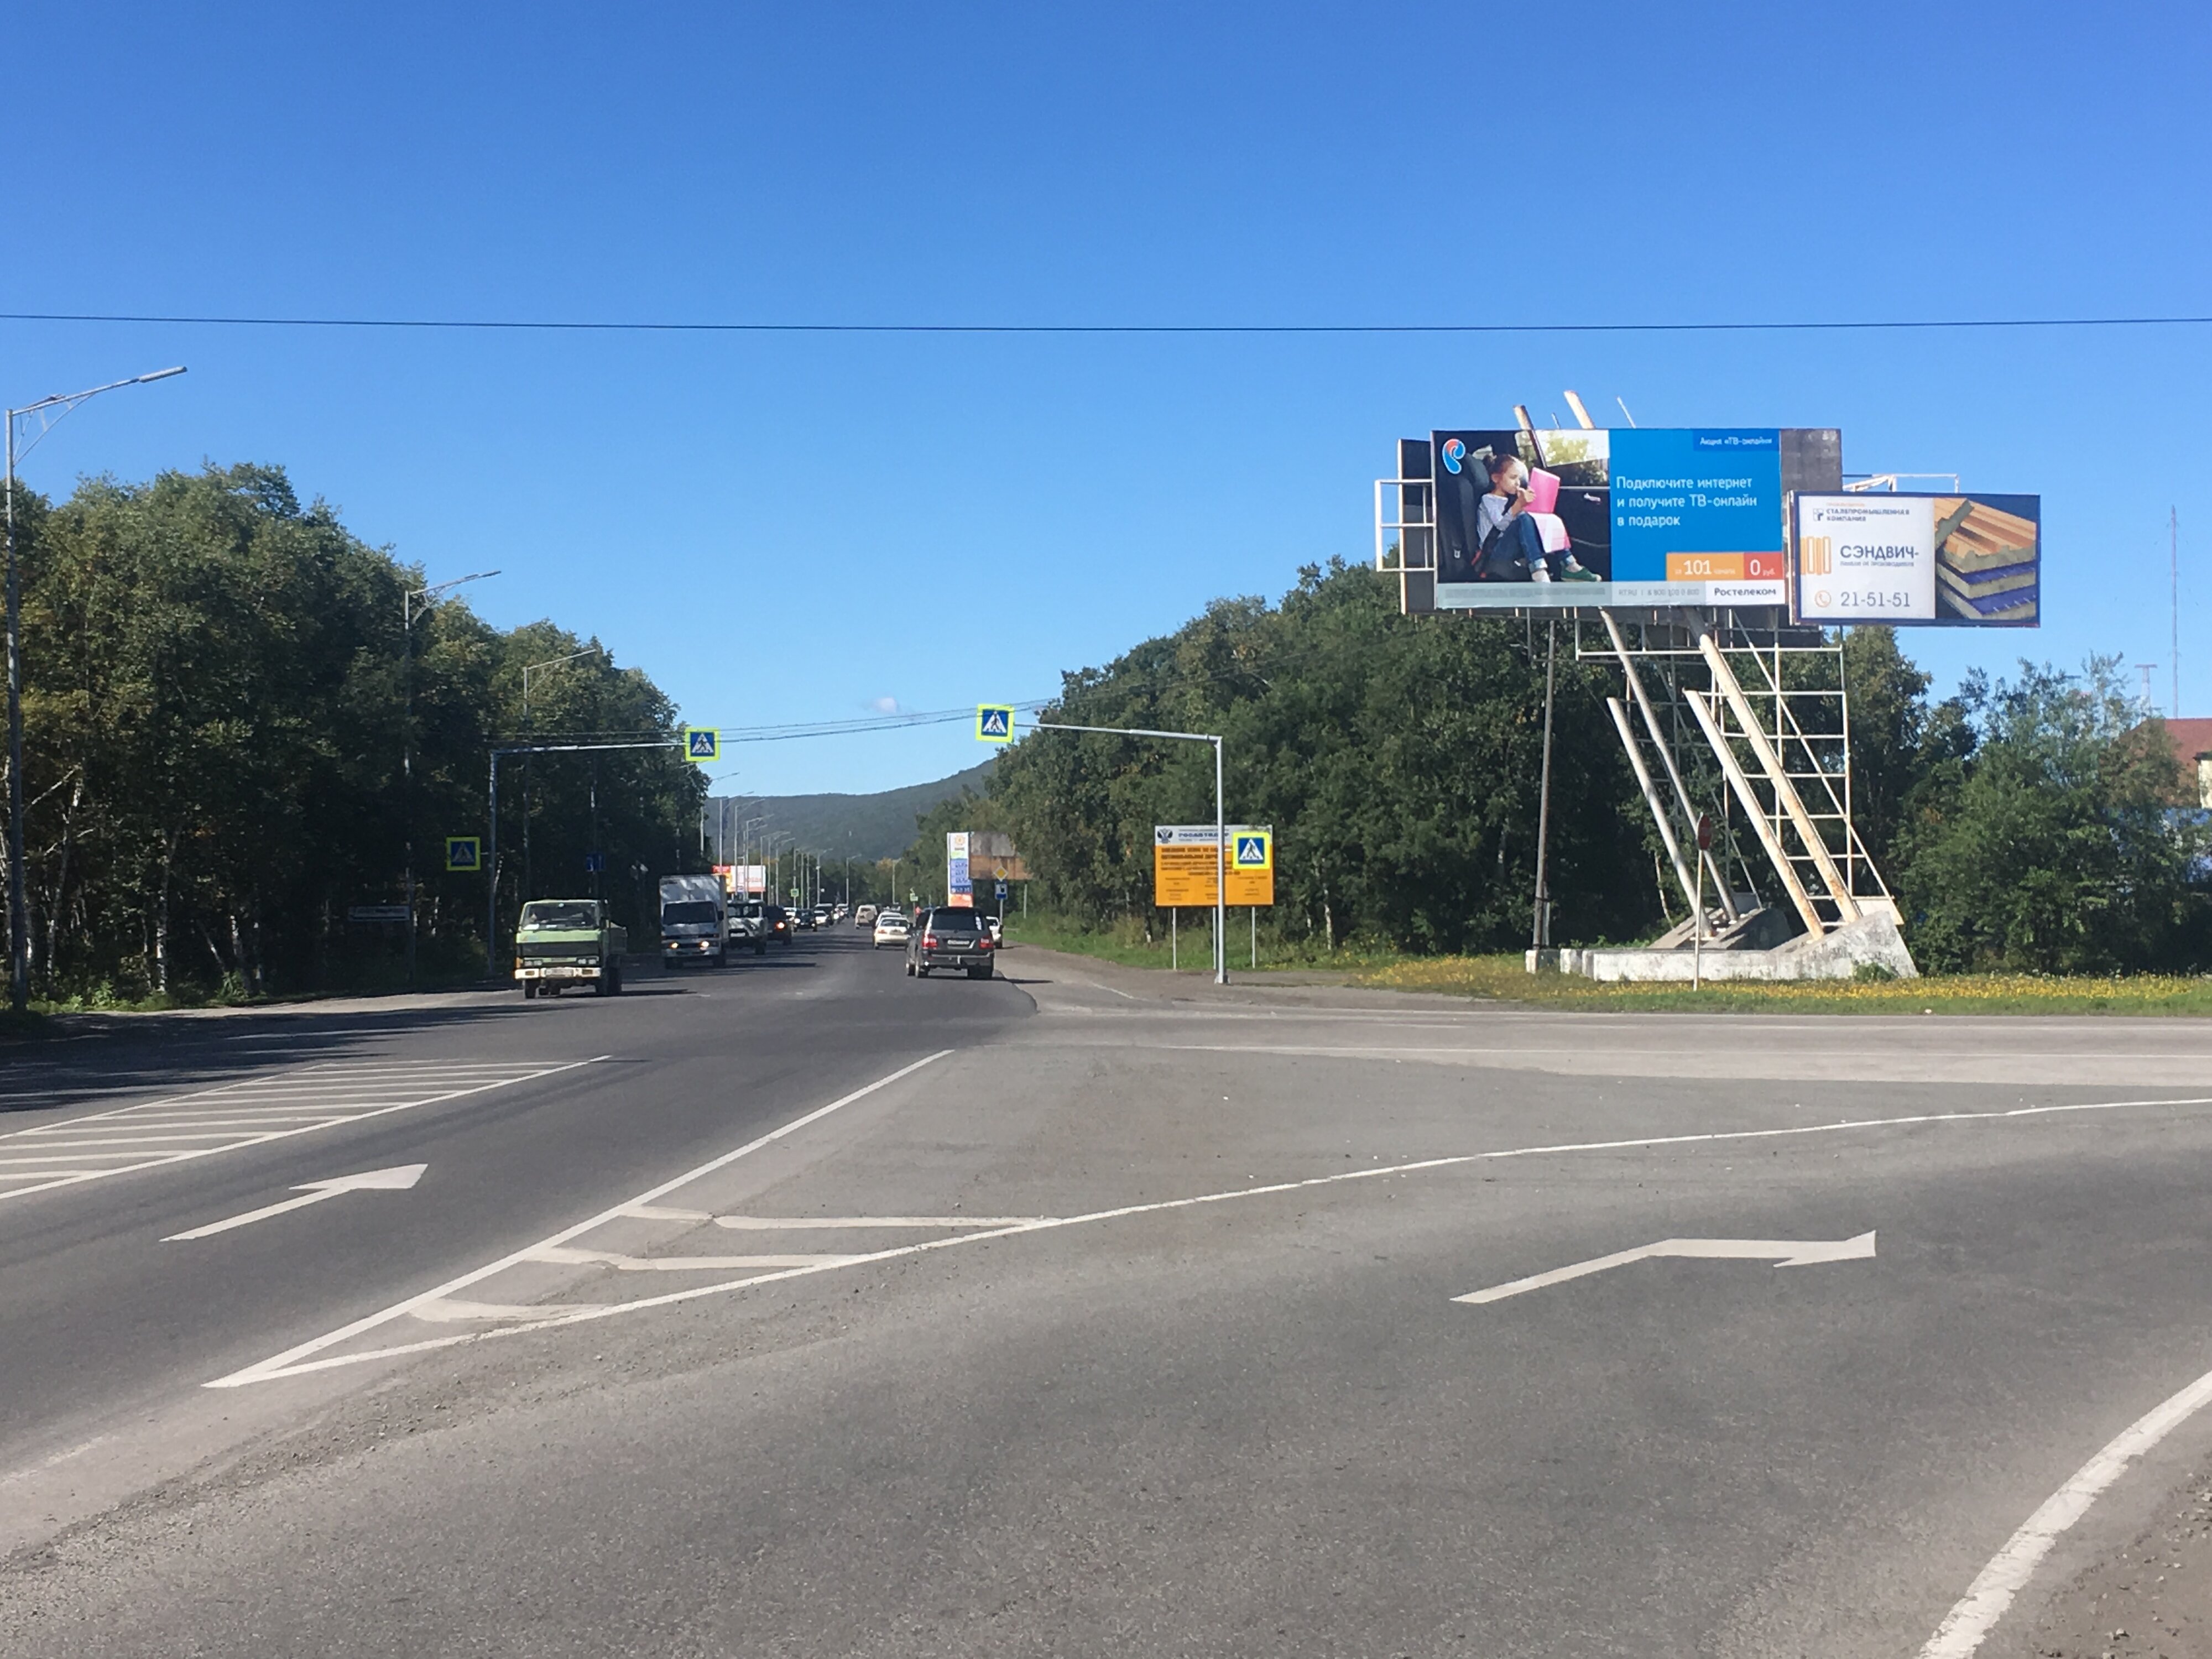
(249, 1112)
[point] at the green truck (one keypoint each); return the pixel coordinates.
(564, 942)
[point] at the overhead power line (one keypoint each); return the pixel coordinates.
(1807, 325)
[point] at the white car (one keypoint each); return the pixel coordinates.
(891, 929)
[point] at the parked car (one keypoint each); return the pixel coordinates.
(890, 929)
(865, 916)
(779, 924)
(949, 937)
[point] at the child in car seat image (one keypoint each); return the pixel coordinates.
(1512, 534)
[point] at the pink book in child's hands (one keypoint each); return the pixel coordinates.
(1543, 491)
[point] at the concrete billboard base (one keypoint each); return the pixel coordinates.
(1871, 941)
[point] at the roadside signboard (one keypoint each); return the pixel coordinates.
(959, 891)
(702, 744)
(463, 852)
(365, 913)
(1963, 560)
(994, 722)
(749, 878)
(1185, 857)
(595, 864)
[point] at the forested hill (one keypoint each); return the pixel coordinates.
(870, 827)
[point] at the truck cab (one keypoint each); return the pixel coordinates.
(563, 942)
(694, 921)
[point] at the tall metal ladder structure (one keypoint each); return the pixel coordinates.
(1767, 741)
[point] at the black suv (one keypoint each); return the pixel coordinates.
(949, 937)
(779, 924)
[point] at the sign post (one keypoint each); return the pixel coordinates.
(1697, 915)
(1220, 839)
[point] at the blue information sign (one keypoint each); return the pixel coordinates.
(1680, 494)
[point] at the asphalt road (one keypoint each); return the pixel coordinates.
(803, 1309)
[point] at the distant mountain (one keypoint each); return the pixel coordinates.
(866, 826)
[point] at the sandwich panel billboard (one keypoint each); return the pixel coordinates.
(1963, 560)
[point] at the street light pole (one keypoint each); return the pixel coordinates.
(1220, 826)
(50, 411)
(528, 731)
(408, 613)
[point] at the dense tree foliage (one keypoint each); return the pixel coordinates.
(2029, 825)
(1397, 757)
(2043, 833)
(217, 697)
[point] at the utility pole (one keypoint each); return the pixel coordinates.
(2173, 577)
(409, 612)
(49, 411)
(1541, 931)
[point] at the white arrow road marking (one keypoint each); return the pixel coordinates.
(1792, 1253)
(397, 1179)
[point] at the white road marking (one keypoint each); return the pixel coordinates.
(294, 1360)
(570, 1256)
(805, 1223)
(1794, 1253)
(397, 1179)
(299, 1361)
(244, 1112)
(1967, 1624)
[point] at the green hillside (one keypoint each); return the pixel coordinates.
(865, 826)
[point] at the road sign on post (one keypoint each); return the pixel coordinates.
(463, 852)
(1186, 856)
(994, 722)
(702, 744)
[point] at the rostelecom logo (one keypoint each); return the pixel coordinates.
(1816, 556)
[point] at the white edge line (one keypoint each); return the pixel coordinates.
(1967, 1624)
(287, 1363)
(243, 1141)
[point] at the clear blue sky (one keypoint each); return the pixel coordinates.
(1168, 164)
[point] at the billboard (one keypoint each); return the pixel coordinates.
(748, 878)
(1964, 559)
(1186, 859)
(959, 891)
(1627, 517)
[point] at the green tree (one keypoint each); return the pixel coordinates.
(2049, 842)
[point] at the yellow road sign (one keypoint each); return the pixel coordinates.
(994, 722)
(1187, 861)
(702, 744)
(463, 852)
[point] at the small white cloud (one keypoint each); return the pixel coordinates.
(885, 706)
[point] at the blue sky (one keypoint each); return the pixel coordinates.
(1172, 164)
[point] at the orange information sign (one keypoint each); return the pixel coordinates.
(1186, 860)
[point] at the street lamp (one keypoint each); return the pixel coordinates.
(50, 412)
(408, 611)
(528, 669)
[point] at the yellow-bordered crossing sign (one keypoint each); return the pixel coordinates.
(994, 722)
(702, 744)
(463, 852)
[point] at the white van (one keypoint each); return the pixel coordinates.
(694, 921)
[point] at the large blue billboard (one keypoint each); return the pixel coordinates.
(1624, 517)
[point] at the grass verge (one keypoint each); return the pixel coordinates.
(1506, 979)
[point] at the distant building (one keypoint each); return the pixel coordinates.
(2192, 747)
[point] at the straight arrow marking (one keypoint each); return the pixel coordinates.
(399, 1178)
(1783, 1252)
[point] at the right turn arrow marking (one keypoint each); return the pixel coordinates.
(1783, 1252)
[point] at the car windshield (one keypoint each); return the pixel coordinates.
(752, 910)
(690, 911)
(540, 914)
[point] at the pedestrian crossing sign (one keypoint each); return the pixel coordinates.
(994, 722)
(702, 744)
(1252, 850)
(463, 852)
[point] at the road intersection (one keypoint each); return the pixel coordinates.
(805, 1308)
